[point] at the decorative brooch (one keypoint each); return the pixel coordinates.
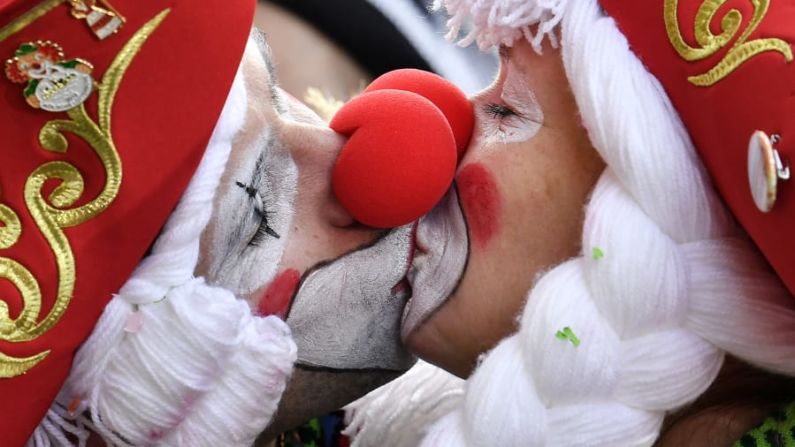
(54, 83)
(103, 20)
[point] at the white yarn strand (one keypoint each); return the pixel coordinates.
(59, 429)
(494, 23)
(201, 370)
(423, 394)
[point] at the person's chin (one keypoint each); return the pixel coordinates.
(433, 344)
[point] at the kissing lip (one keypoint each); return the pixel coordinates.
(439, 262)
(346, 314)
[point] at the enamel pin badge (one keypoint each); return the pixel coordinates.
(103, 19)
(53, 83)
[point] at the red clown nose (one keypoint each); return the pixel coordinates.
(407, 131)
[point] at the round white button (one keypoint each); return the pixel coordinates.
(762, 175)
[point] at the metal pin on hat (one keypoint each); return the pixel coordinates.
(765, 170)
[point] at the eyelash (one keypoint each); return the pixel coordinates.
(264, 229)
(499, 111)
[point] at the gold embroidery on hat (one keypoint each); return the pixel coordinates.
(29, 17)
(13, 366)
(11, 229)
(739, 53)
(51, 214)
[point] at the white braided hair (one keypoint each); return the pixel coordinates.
(201, 370)
(676, 284)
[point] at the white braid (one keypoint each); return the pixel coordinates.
(201, 370)
(677, 284)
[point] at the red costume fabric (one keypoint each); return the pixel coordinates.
(728, 68)
(58, 270)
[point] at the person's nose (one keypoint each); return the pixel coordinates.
(315, 149)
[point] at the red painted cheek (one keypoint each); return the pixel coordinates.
(481, 202)
(276, 299)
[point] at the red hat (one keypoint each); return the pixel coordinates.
(97, 150)
(728, 69)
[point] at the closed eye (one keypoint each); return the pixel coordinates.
(263, 229)
(497, 111)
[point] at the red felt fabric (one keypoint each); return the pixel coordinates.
(758, 95)
(164, 113)
(399, 159)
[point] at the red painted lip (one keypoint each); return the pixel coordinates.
(279, 294)
(481, 202)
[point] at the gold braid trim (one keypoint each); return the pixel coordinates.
(29, 17)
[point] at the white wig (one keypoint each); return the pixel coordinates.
(676, 286)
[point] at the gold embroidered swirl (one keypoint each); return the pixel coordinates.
(29, 17)
(52, 214)
(710, 43)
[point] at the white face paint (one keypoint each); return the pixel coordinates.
(346, 314)
(439, 262)
(508, 111)
(346, 311)
(255, 202)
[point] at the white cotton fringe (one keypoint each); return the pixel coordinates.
(678, 284)
(201, 370)
(492, 23)
(58, 429)
(470, 71)
(399, 413)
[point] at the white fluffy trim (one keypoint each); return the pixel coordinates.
(493, 23)
(200, 370)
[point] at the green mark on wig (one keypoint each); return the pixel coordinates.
(598, 253)
(567, 334)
